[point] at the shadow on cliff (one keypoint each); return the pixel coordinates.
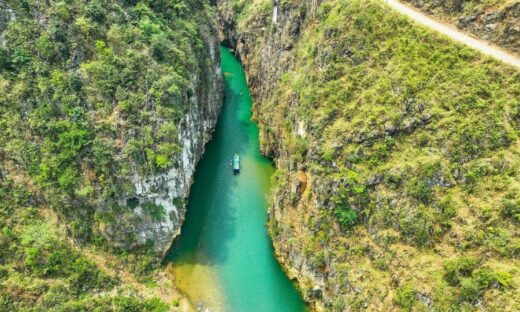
(211, 217)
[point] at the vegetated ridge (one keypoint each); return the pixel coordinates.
(396, 152)
(457, 35)
(105, 107)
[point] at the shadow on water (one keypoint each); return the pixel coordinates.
(224, 256)
(214, 176)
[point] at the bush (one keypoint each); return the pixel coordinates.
(155, 305)
(470, 289)
(459, 268)
(84, 276)
(319, 259)
(463, 272)
(419, 226)
(346, 217)
(156, 211)
(487, 277)
(405, 297)
(420, 190)
(511, 206)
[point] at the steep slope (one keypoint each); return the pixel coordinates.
(484, 47)
(396, 154)
(105, 108)
(42, 270)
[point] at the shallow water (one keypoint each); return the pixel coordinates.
(224, 257)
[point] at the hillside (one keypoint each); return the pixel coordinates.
(396, 154)
(497, 21)
(396, 150)
(105, 108)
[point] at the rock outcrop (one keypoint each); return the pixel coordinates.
(370, 198)
(157, 202)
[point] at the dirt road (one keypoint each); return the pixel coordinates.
(455, 34)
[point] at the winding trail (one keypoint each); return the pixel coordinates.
(480, 45)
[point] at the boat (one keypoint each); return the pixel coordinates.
(236, 164)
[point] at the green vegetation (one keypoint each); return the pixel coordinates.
(346, 217)
(91, 94)
(156, 211)
(490, 20)
(40, 270)
(94, 94)
(472, 282)
(405, 297)
(410, 149)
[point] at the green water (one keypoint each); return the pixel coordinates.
(224, 257)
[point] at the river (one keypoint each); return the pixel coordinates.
(224, 257)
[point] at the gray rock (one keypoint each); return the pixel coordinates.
(168, 190)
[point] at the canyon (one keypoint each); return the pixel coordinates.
(395, 150)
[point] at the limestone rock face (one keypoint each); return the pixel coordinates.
(265, 64)
(151, 208)
(157, 202)
(6, 15)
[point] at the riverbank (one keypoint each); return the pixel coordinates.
(224, 257)
(386, 138)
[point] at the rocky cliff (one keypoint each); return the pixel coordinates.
(119, 100)
(105, 107)
(168, 191)
(373, 126)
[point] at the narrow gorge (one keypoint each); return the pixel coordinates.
(224, 259)
(395, 183)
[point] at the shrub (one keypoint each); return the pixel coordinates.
(319, 259)
(511, 206)
(420, 190)
(405, 297)
(162, 161)
(155, 305)
(504, 279)
(470, 289)
(487, 277)
(418, 226)
(155, 211)
(459, 268)
(84, 276)
(346, 217)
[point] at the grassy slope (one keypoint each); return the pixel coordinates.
(491, 20)
(412, 156)
(43, 269)
(460, 8)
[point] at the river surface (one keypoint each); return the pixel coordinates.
(224, 257)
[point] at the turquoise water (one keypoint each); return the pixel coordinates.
(224, 257)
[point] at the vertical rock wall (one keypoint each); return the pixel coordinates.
(168, 191)
(265, 48)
